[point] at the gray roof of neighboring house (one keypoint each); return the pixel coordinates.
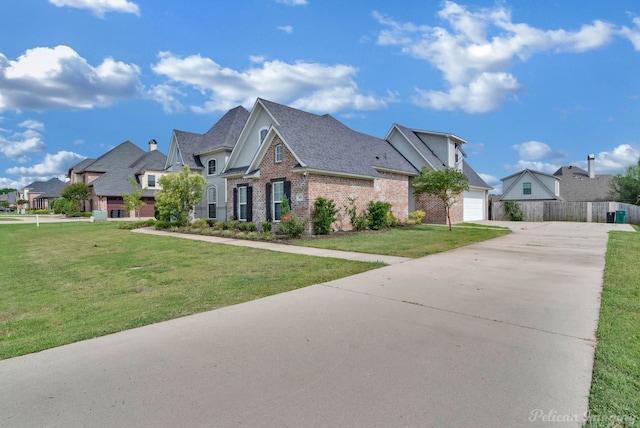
(576, 186)
(324, 143)
(474, 179)
(47, 189)
(81, 165)
(115, 182)
(223, 134)
(114, 158)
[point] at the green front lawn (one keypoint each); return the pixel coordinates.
(65, 282)
(615, 390)
(408, 241)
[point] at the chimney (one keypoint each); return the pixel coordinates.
(153, 145)
(591, 164)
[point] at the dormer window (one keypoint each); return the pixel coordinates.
(211, 167)
(263, 134)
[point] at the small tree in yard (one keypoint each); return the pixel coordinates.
(446, 185)
(133, 201)
(626, 188)
(179, 194)
(76, 193)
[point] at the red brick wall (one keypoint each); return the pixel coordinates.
(393, 188)
(435, 211)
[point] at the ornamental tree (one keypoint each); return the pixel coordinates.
(76, 193)
(133, 201)
(180, 192)
(626, 188)
(446, 184)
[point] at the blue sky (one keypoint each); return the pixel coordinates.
(528, 84)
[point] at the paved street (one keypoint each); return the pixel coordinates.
(495, 334)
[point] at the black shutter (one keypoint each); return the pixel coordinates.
(235, 203)
(287, 192)
(249, 203)
(267, 191)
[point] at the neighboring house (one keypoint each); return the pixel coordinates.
(285, 151)
(42, 194)
(578, 185)
(207, 154)
(529, 185)
(436, 151)
(108, 177)
(11, 198)
(568, 183)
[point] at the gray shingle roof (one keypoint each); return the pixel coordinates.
(223, 134)
(324, 143)
(48, 189)
(120, 163)
(113, 158)
(474, 179)
(420, 145)
(576, 186)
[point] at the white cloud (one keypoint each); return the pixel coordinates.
(100, 7)
(45, 78)
(615, 161)
(633, 34)
(326, 88)
(53, 165)
(19, 144)
(475, 49)
(492, 181)
(535, 151)
(545, 167)
(286, 28)
(293, 2)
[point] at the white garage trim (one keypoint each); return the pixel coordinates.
(474, 205)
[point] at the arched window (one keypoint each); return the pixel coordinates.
(211, 167)
(263, 134)
(278, 152)
(212, 200)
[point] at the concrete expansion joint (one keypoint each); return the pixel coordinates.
(592, 342)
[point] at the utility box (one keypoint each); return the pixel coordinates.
(611, 217)
(99, 215)
(621, 217)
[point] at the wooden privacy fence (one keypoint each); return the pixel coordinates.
(595, 212)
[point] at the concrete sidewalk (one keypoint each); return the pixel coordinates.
(499, 333)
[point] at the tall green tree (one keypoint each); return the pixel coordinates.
(133, 201)
(76, 193)
(626, 187)
(180, 192)
(446, 185)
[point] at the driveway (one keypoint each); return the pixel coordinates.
(499, 333)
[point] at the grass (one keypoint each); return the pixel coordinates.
(66, 282)
(615, 390)
(410, 241)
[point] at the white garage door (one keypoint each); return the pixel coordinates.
(474, 208)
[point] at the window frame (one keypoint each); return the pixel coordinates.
(214, 203)
(526, 188)
(261, 136)
(149, 178)
(210, 163)
(241, 190)
(276, 205)
(278, 153)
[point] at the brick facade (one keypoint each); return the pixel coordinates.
(435, 212)
(393, 188)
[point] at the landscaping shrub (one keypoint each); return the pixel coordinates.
(513, 209)
(161, 224)
(292, 225)
(324, 215)
(137, 224)
(377, 213)
(63, 206)
(201, 223)
(415, 217)
(266, 226)
(39, 211)
(218, 225)
(358, 221)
